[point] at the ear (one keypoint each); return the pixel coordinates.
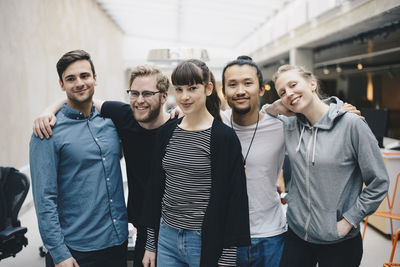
(313, 84)
(61, 85)
(164, 97)
(262, 90)
(209, 88)
(95, 79)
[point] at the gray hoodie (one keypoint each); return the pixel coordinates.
(330, 161)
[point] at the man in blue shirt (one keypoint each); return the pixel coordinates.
(76, 176)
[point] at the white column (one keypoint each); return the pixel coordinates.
(302, 57)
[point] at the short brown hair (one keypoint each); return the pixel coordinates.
(162, 83)
(69, 58)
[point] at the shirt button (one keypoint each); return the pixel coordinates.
(104, 159)
(114, 220)
(110, 200)
(97, 139)
(77, 118)
(108, 179)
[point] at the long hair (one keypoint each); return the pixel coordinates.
(194, 71)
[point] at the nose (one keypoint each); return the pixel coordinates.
(185, 94)
(289, 92)
(240, 90)
(79, 82)
(140, 99)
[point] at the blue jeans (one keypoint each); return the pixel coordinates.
(263, 252)
(178, 247)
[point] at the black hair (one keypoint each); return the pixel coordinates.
(69, 58)
(243, 60)
(194, 71)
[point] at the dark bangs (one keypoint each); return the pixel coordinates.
(187, 73)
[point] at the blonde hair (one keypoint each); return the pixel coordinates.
(162, 81)
(307, 75)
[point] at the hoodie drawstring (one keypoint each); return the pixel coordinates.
(315, 141)
(301, 136)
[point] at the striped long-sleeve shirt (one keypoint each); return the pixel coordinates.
(187, 166)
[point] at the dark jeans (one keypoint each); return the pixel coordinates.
(300, 253)
(108, 257)
(141, 235)
(263, 252)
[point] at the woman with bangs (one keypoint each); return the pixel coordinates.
(197, 202)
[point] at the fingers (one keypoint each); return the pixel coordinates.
(43, 124)
(36, 129)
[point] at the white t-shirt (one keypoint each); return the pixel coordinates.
(263, 166)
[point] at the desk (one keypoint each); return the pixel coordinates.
(392, 162)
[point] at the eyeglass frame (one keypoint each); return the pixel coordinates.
(145, 94)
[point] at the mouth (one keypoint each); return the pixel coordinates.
(295, 100)
(240, 99)
(141, 108)
(80, 91)
(186, 105)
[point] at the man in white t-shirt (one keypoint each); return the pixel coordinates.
(263, 149)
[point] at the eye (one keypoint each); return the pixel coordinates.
(70, 78)
(134, 93)
(178, 89)
(192, 88)
(147, 93)
(293, 84)
(282, 93)
(248, 83)
(85, 75)
(231, 84)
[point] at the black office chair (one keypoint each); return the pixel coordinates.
(14, 187)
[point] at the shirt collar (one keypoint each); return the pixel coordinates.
(76, 114)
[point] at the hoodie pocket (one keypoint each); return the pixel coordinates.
(324, 226)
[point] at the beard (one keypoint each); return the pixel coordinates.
(151, 115)
(241, 111)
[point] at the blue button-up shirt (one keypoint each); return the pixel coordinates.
(77, 185)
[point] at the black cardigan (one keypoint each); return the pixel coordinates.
(226, 220)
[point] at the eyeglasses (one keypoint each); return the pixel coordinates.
(146, 94)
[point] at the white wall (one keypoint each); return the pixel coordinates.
(34, 35)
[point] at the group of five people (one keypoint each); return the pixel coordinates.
(202, 188)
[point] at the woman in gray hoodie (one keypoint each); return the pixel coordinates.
(332, 154)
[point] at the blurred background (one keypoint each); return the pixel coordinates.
(353, 46)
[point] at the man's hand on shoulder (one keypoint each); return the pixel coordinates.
(70, 262)
(352, 109)
(176, 112)
(42, 125)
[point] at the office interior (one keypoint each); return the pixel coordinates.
(353, 47)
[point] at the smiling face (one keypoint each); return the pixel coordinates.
(242, 88)
(192, 98)
(149, 108)
(78, 83)
(296, 92)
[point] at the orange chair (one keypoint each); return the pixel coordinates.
(391, 263)
(387, 214)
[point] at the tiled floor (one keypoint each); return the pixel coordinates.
(376, 247)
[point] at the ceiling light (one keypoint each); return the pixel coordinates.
(338, 68)
(267, 87)
(359, 66)
(325, 71)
